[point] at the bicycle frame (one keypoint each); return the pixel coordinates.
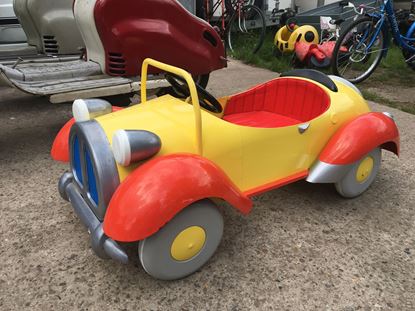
(211, 11)
(386, 11)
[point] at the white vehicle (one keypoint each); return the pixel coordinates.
(49, 26)
(10, 30)
(118, 37)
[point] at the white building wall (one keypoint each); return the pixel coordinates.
(305, 5)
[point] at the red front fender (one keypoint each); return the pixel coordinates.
(359, 137)
(156, 191)
(60, 147)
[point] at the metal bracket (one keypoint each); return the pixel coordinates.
(303, 127)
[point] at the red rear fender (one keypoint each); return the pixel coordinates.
(156, 191)
(359, 137)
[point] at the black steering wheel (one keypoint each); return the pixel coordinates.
(206, 100)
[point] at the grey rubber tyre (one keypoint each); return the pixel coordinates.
(155, 252)
(349, 186)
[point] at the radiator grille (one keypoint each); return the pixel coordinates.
(116, 64)
(50, 45)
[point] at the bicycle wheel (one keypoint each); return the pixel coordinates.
(246, 30)
(357, 52)
(408, 54)
(232, 5)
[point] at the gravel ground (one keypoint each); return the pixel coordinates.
(302, 248)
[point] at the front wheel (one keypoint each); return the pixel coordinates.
(184, 244)
(245, 32)
(361, 175)
(358, 51)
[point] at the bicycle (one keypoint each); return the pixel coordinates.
(366, 42)
(241, 23)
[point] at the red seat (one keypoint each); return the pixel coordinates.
(260, 119)
(279, 102)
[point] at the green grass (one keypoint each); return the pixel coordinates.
(392, 70)
(265, 57)
(407, 107)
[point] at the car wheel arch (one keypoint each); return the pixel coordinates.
(145, 202)
(353, 141)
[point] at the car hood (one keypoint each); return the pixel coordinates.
(169, 118)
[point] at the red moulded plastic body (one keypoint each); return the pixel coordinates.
(156, 191)
(60, 146)
(291, 100)
(133, 30)
(359, 137)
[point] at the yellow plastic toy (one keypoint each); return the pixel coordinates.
(287, 36)
(151, 173)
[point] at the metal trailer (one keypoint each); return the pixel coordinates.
(10, 30)
(63, 78)
(49, 27)
(334, 10)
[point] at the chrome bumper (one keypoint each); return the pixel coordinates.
(103, 246)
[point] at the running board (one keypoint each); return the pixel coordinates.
(36, 58)
(58, 68)
(66, 79)
(66, 90)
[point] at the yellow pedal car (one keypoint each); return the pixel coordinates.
(151, 173)
(287, 36)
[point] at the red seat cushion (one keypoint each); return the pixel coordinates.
(260, 119)
(288, 100)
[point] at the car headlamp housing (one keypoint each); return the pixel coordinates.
(87, 109)
(131, 146)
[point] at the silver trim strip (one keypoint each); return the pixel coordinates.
(322, 172)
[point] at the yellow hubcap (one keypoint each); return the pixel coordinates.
(188, 243)
(364, 170)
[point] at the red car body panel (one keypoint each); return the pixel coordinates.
(160, 29)
(133, 213)
(60, 146)
(359, 137)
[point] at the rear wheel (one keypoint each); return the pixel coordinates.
(120, 100)
(201, 80)
(361, 175)
(246, 30)
(232, 5)
(408, 54)
(314, 63)
(352, 58)
(184, 244)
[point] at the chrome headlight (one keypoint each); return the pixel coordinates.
(87, 109)
(130, 146)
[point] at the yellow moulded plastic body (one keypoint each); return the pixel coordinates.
(285, 39)
(252, 157)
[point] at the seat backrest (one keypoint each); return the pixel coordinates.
(119, 35)
(295, 98)
(49, 25)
